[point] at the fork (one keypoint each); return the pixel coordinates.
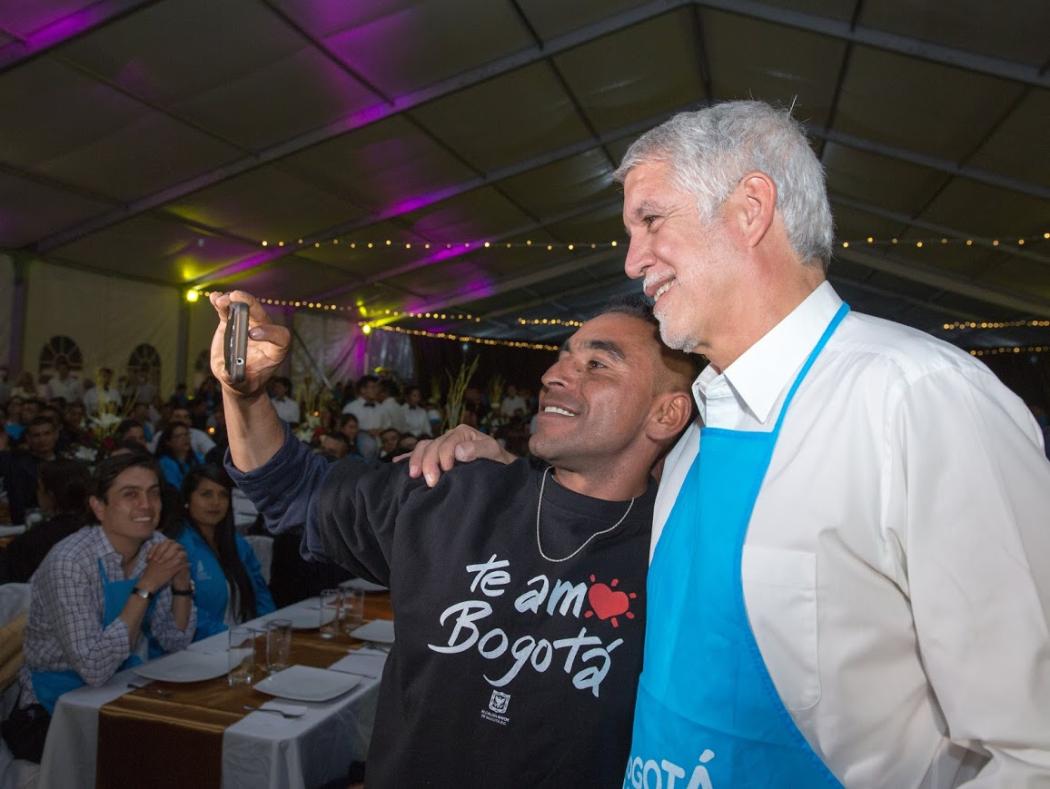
(282, 713)
(149, 688)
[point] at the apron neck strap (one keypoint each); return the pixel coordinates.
(834, 324)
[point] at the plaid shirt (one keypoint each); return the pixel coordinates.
(65, 630)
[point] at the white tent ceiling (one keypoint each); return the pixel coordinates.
(165, 140)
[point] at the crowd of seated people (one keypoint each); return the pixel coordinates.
(126, 491)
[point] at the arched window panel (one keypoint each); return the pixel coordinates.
(60, 348)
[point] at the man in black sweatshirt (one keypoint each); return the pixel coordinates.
(518, 590)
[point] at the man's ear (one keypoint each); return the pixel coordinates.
(97, 506)
(757, 201)
(671, 413)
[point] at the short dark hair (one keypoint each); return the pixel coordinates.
(67, 481)
(341, 437)
(639, 306)
(126, 425)
(40, 419)
(285, 382)
(365, 379)
(107, 471)
(635, 304)
(347, 418)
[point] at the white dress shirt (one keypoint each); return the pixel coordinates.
(897, 565)
(287, 409)
(95, 396)
(370, 416)
(69, 390)
(511, 405)
(414, 421)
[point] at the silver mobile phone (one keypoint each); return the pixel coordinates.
(236, 341)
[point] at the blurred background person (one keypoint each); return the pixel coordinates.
(413, 418)
(19, 467)
(283, 402)
(62, 492)
(175, 455)
(103, 396)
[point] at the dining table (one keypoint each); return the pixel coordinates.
(134, 731)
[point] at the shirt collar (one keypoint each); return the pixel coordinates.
(760, 375)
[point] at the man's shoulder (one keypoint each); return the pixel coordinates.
(79, 548)
(873, 344)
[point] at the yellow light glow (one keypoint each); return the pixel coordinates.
(192, 295)
(366, 328)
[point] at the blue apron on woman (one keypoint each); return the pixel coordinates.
(49, 685)
(708, 715)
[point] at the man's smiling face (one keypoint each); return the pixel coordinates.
(597, 397)
(688, 265)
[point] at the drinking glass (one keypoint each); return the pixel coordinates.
(353, 609)
(331, 611)
(242, 657)
(278, 644)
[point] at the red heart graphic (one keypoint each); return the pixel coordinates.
(605, 602)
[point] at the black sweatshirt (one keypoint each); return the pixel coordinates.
(508, 670)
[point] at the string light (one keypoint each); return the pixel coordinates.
(461, 338)
(571, 246)
(548, 322)
(1016, 349)
(1027, 324)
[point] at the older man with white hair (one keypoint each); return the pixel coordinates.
(851, 571)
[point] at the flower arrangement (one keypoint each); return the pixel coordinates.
(103, 426)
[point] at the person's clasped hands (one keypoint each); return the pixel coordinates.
(166, 562)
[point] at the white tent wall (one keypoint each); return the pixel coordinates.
(336, 344)
(202, 323)
(108, 317)
(7, 293)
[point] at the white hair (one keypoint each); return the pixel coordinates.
(710, 150)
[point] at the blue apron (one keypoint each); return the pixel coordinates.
(49, 685)
(708, 714)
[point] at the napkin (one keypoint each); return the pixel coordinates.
(288, 709)
(363, 662)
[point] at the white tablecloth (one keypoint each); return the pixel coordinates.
(261, 750)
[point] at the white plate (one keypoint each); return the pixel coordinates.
(362, 585)
(305, 617)
(185, 666)
(305, 683)
(379, 631)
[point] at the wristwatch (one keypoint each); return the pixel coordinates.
(145, 594)
(184, 592)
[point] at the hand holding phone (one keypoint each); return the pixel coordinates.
(236, 341)
(244, 368)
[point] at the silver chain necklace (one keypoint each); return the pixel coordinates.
(539, 509)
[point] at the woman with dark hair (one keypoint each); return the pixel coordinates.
(62, 492)
(175, 454)
(227, 580)
(131, 430)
